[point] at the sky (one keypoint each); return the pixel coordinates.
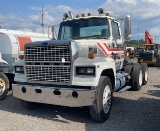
(26, 15)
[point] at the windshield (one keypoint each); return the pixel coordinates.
(84, 28)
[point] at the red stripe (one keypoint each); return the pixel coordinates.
(112, 49)
(23, 41)
(103, 49)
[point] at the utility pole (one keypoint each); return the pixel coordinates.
(42, 20)
(155, 39)
(158, 39)
(138, 35)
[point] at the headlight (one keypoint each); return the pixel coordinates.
(19, 69)
(85, 70)
(90, 71)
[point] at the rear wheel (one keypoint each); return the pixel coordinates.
(137, 77)
(4, 86)
(29, 105)
(145, 73)
(101, 109)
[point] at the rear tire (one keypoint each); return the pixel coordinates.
(128, 69)
(103, 102)
(4, 86)
(137, 77)
(145, 73)
(29, 105)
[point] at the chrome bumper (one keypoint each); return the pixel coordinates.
(72, 97)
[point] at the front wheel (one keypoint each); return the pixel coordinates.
(4, 86)
(101, 109)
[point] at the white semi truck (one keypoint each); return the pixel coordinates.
(83, 67)
(12, 48)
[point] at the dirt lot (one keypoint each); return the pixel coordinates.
(131, 111)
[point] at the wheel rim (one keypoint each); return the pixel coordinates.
(106, 99)
(2, 86)
(140, 78)
(146, 75)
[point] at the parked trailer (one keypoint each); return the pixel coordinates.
(12, 48)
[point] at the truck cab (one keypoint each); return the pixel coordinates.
(83, 67)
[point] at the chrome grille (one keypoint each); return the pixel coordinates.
(47, 53)
(48, 64)
(49, 74)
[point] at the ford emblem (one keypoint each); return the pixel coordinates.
(45, 43)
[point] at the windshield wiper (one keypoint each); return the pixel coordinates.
(90, 37)
(98, 37)
(77, 37)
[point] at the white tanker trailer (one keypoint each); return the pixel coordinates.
(12, 48)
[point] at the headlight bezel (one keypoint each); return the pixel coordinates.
(85, 70)
(19, 69)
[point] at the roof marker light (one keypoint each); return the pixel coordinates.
(107, 14)
(82, 15)
(77, 16)
(89, 14)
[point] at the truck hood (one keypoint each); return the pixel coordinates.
(82, 47)
(85, 46)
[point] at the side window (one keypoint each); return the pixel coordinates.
(115, 31)
(66, 33)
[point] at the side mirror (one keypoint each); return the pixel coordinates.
(127, 28)
(52, 31)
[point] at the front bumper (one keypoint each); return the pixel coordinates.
(56, 95)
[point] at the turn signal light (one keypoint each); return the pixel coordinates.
(91, 56)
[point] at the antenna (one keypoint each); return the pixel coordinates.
(42, 20)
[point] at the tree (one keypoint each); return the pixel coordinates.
(134, 43)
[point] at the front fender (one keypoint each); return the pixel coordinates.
(100, 64)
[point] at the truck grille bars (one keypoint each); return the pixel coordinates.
(48, 64)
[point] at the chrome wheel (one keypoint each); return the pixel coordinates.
(2, 86)
(106, 99)
(140, 78)
(146, 75)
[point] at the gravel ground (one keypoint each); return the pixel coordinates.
(131, 111)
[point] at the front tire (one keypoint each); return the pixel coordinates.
(4, 86)
(101, 109)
